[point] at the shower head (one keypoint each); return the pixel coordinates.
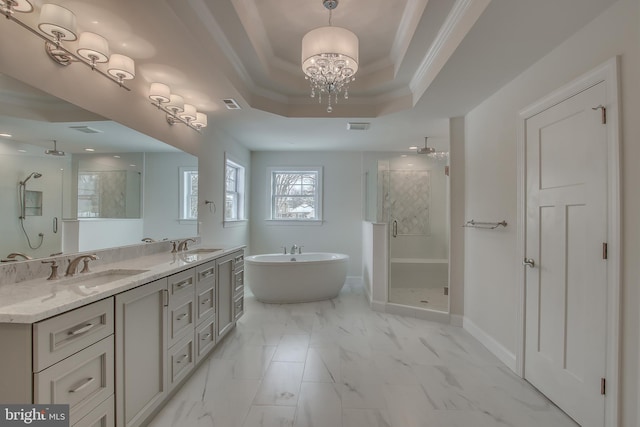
(425, 149)
(55, 151)
(35, 175)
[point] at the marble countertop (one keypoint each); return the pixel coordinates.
(34, 300)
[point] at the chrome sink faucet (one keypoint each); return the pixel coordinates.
(73, 264)
(14, 256)
(294, 248)
(182, 246)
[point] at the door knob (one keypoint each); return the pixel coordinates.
(529, 262)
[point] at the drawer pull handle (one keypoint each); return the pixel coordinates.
(206, 337)
(82, 386)
(181, 316)
(82, 330)
(182, 358)
(183, 284)
(206, 301)
(206, 273)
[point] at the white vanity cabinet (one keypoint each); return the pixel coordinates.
(238, 285)
(182, 320)
(225, 275)
(205, 337)
(117, 360)
(141, 356)
(67, 359)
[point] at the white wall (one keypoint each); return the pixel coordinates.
(341, 229)
(490, 294)
(211, 168)
(161, 210)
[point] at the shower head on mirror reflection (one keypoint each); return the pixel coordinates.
(55, 151)
(35, 175)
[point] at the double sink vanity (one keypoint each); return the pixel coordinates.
(114, 343)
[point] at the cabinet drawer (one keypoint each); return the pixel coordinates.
(59, 337)
(181, 360)
(206, 275)
(205, 304)
(82, 381)
(238, 308)
(205, 338)
(181, 285)
(238, 283)
(181, 321)
(102, 415)
(238, 260)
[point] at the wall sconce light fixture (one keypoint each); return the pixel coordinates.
(177, 111)
(56, 25)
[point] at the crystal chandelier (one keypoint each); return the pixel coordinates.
(330, 59)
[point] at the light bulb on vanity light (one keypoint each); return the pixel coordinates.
(175, 104)
(160, 93)
(189, 113)
(10, 6)
(94, 48)
(57, 22)
(121, 67)
(200, 122)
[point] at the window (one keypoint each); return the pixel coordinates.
(296, 194)
(233, 191)
(189, 193)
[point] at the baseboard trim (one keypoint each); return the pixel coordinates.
(457, 320)
(501, 352)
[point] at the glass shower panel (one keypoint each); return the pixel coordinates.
(414, 194)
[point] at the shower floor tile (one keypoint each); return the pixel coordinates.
(431, 298)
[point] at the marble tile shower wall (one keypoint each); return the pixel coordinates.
(15, 272)
(407, 199)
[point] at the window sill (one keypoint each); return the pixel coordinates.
(235, 223)
(295, 222)
(187, 221)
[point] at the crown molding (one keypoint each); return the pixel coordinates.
(459, 22)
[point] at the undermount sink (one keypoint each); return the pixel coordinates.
(103, 277)
(202, 251)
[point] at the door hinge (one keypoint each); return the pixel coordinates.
(603, 386)
(604, 113)
(605, 251)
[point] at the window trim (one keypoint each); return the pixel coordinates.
(183, 205)
(241, 184)
(318, 197)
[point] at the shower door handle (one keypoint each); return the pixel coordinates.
(394, 228)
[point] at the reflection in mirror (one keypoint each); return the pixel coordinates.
(67, 199)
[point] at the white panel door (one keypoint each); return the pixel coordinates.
(566, 225)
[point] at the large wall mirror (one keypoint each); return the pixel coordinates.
(99, 185)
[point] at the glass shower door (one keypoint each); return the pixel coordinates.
(415, 200)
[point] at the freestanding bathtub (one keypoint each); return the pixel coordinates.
(278, 278)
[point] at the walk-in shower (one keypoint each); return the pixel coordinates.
(413, 199)
(30, 204)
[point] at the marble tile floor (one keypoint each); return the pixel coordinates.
(337, 363)
(431, 298)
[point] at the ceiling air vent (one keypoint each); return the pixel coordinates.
(358, 126)
(231, 104)
(85, 129)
